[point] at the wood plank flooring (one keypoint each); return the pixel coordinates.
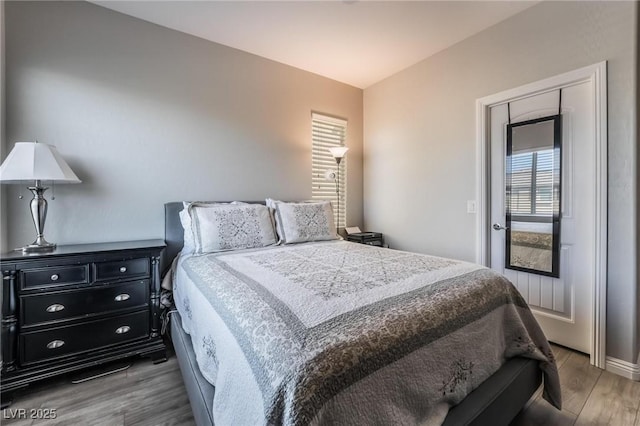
(149, 395)
(590, 397)
(145, 394)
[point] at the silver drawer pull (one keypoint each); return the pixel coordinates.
(55, 344)
(123, 329)
(123, 269)
(56, 307)
(122, 297)
(55, 277)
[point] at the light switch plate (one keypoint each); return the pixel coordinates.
(471, 206)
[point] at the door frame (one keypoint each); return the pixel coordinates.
(596, 75)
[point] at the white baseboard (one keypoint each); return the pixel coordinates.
(623, 368)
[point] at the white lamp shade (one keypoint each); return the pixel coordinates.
(338, 151)
(30, 161)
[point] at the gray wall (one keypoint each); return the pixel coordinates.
(420, 136)
(146, 115)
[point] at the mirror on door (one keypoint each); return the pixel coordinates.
(533, 196)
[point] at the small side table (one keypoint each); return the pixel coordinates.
(369, 238)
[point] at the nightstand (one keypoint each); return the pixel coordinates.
(369, 238)
(78, 306)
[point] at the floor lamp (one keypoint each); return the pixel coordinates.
(338, 152)
(33, 163)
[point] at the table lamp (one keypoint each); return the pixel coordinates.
(36, 162)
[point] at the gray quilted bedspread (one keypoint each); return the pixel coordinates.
(343, 333)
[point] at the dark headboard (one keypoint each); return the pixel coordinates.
(173, 232)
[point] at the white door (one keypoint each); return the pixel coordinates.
(562, 305)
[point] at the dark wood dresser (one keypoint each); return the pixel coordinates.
(78, 306)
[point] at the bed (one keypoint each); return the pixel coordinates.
(340, 384)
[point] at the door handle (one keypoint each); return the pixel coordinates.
(498, 227)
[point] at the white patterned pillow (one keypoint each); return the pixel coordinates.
(220, 227)
(189, 245)
(301, 222)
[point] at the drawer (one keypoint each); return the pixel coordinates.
(54, 276)
(90, 300)
(122, 269)
(52, 343)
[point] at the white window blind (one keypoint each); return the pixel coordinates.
(328, 132)
(532, 173)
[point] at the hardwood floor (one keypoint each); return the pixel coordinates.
(143, 395)
(590, 397)
(149, 395)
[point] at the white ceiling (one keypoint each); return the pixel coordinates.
(355, 42)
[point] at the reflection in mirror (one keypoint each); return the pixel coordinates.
(533, 196)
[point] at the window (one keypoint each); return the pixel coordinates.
(532, 183)
(328, 132)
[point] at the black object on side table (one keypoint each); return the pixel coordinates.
(369, 238)
(78, 306)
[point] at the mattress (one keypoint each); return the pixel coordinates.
(338, 332)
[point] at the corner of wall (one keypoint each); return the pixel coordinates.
(3, 142)
(637, 172)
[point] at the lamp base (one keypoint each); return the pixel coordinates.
(39, 215)
(38, 247)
